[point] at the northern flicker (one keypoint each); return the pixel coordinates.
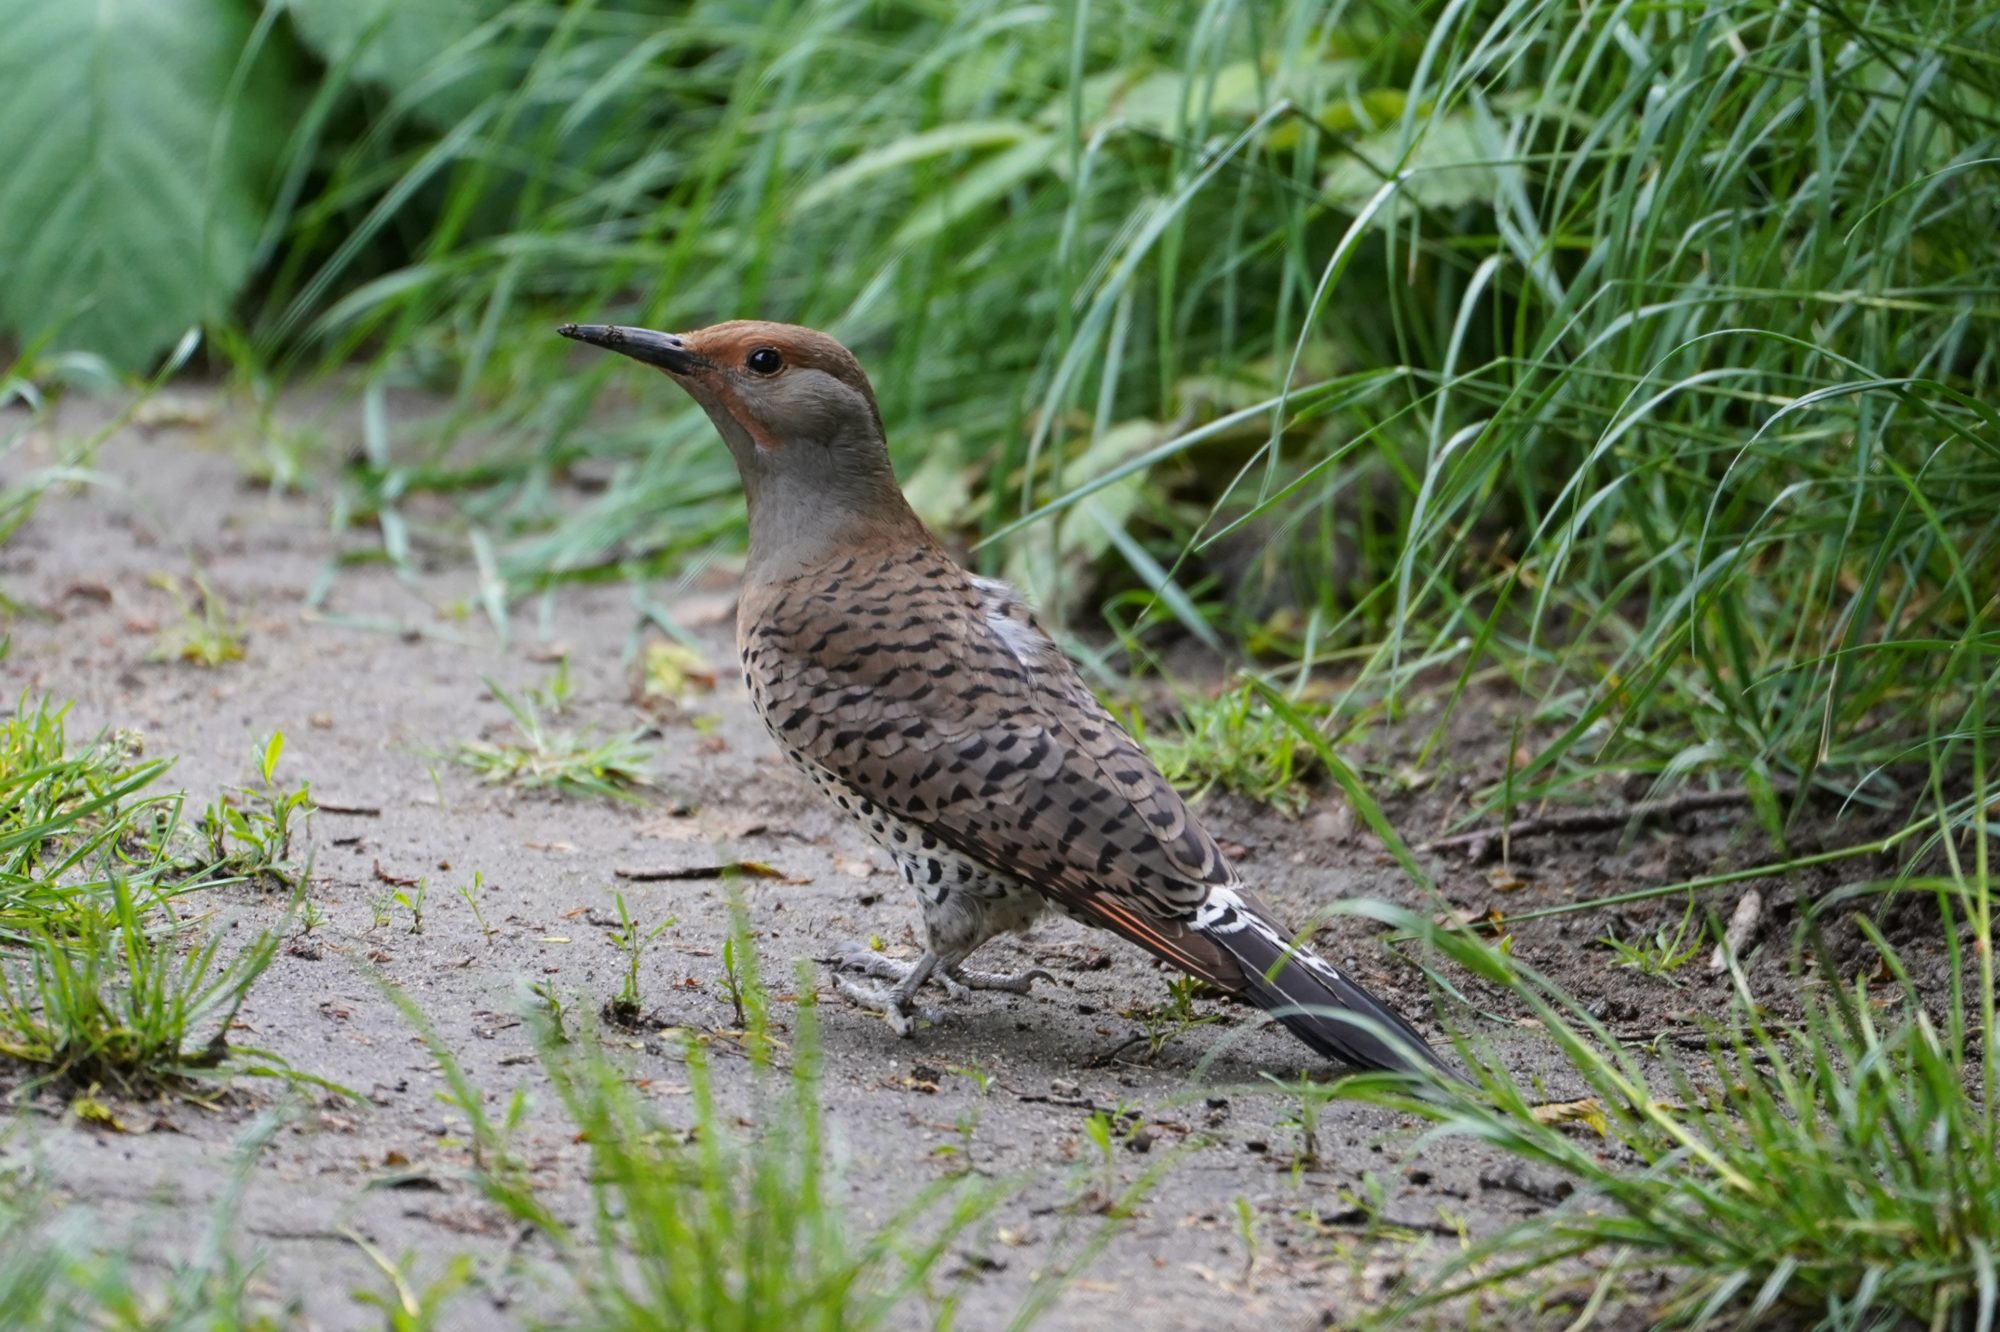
(927, 703)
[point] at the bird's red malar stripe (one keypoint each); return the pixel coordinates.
(762, 438)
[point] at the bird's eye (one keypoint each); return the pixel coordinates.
(765, 361)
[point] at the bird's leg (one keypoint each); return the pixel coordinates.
(894, 1002)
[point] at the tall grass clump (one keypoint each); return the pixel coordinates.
(101, 981)
(1630, 354)
(1840, 1171)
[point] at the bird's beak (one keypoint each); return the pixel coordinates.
(665, 350)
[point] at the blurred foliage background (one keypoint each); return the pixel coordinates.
(1638, 357)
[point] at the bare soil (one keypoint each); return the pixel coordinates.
(370, 714)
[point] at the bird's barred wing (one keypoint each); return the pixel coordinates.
(956, 714)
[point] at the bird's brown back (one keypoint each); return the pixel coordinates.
(935, 696)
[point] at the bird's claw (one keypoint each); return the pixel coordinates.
(860, 957)
(1020, 983)
(895, 1008)
(895, 1003)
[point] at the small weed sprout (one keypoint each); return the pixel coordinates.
(553, 1011)
(566, 762)
(1246, 1230)
(412, 900)
(1307, 1098)
(250, 829)
(405, 1306)
(732, 983)
(1097, 1128)
(1178, 1015)
(209, 632)
(1667, 952)
(553, 697)
(967, 1122)
(470, 892)
(625, 1008)
(1234, 742)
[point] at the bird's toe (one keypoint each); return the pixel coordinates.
(1019, 983)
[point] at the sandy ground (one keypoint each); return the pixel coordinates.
(369, 714)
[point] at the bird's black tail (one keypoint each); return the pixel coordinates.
(1309, 995)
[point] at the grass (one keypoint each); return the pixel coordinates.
(210, 632)
(1672, 946)
(55, 1275)
(733, 1219)
(1627, 364)
(1233, 742)
(66, 811)
(115, 1000)
(1624, 363)
(538, 756)
(1391, 335)
(1842, 1171)
(102, 979)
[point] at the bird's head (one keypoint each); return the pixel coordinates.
(796, 410)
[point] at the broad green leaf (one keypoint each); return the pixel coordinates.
(417, 47)
(139, 164)
(1448, 167)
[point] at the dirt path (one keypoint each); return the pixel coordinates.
(368, 715)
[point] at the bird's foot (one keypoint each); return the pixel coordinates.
(896, 1003)
(860, 957)
(895, 1007)
(1019, 983)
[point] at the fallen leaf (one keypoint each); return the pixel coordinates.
(93, 1111)
(1490, 922)
(668, 673)
(1587, 1112)
(1742, 929)
(168, 411)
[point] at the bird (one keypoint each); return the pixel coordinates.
(932, 708)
